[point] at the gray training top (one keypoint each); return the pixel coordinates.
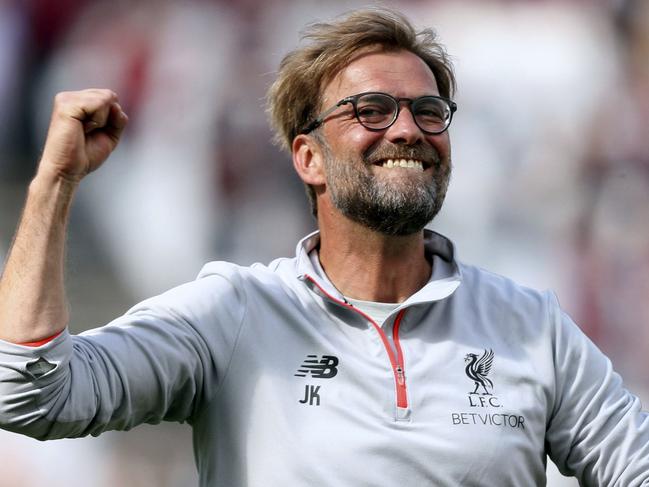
(471, 381)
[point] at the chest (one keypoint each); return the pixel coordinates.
(426, 397)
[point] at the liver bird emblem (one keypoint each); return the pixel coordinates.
(477, 370)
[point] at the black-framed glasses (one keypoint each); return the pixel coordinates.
(378, 111)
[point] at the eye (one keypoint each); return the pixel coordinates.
(432, 111)
(374, 109)
(432, 114)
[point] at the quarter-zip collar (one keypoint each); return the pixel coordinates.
(445, 279)
(440, 251)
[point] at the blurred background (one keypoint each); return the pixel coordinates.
(550, 184)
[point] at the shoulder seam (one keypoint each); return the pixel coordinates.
(236, 340)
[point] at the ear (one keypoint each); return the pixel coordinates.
(308, 160)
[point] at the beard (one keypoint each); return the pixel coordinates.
(391, 206)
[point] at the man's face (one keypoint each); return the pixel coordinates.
(360, 182)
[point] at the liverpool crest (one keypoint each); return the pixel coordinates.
(477, 369)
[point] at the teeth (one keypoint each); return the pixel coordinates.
(406, 163)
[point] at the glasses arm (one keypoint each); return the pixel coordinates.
(321, 118)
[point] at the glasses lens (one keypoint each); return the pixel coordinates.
(376, 111)
(432, 114)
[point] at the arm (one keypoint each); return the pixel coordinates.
(163, 360)
(85, 128)
(598, 431)
(156, 362)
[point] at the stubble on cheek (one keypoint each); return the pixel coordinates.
(401, 203)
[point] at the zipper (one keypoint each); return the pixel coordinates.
(396, 359)
(402, 396)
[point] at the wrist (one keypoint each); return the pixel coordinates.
(49, 181)
(50, 196)
(38, 343)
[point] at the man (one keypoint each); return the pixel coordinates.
(371, 358)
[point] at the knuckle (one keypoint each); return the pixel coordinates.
(61, 97)
(106, 95)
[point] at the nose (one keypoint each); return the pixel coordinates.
(404, 130)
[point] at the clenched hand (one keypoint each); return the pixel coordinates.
(85, 128)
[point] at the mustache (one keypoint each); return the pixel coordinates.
(420, 152)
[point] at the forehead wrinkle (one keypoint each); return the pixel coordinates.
(400, 74)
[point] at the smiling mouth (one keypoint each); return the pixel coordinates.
(403, 163)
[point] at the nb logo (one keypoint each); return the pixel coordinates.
(323, 368)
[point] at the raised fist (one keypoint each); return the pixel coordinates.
(85, 128)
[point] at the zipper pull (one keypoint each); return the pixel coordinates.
(401, 377)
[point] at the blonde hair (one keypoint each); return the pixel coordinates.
(295, 97)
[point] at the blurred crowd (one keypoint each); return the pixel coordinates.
(550, 144)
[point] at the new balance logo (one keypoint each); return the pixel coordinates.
(323, 368)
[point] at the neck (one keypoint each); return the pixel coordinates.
(370, 266)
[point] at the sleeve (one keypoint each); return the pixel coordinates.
(597, 430)
(160, 361)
